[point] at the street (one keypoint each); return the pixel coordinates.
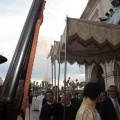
(34, 115)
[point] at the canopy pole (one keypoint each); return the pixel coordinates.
(118, 83)
(52, 73)
(55, 73)
(58, 75)
(65, 70)
(106, 76)
(54, 67)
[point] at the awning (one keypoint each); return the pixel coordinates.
(54, 51)
(90, 41)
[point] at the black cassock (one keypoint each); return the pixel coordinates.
(58, 110)
(45, 112)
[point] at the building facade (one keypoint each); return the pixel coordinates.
(108, 73)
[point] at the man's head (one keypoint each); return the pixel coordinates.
(80, 95)
(74, 95)
(68, 96)
(49, 96)
(113, 92)
(92, 90)
(66, 99)
(103, 95)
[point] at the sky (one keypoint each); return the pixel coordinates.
(13, 14)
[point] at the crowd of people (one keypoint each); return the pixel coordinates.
(36, 100)
(92, 104)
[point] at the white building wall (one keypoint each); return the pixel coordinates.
(106, 5)
(98, 10)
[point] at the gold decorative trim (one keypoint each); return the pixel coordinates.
(87, 42)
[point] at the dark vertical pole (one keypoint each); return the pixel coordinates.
(58, 74)
(55, 73)
(65, 70)
(52, 73)
(8, 98)
(55, 80)
(13, 74)
(54, 66)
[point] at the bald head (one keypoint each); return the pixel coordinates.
(68, 94)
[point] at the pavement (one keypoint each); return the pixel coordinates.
(34, 115)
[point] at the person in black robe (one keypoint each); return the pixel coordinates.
(46, 108)
(76, 101)
(58, 109)
(44, 101)
(108, 109)
(103, 97)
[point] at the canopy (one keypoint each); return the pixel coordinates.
(90, 41)
(54, 51)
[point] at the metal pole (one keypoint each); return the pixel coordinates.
(55, 73)
(51, 54)
(52, 73)
(58, 75)
(11, 96)
(118, 83)
(54, 57)
(55, 80)
(65, 70)
(106, 77)
(13, 75)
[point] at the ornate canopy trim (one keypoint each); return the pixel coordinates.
(90, 41)
(87, 32)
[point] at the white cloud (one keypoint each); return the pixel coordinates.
(13, 16)
(55, 15)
